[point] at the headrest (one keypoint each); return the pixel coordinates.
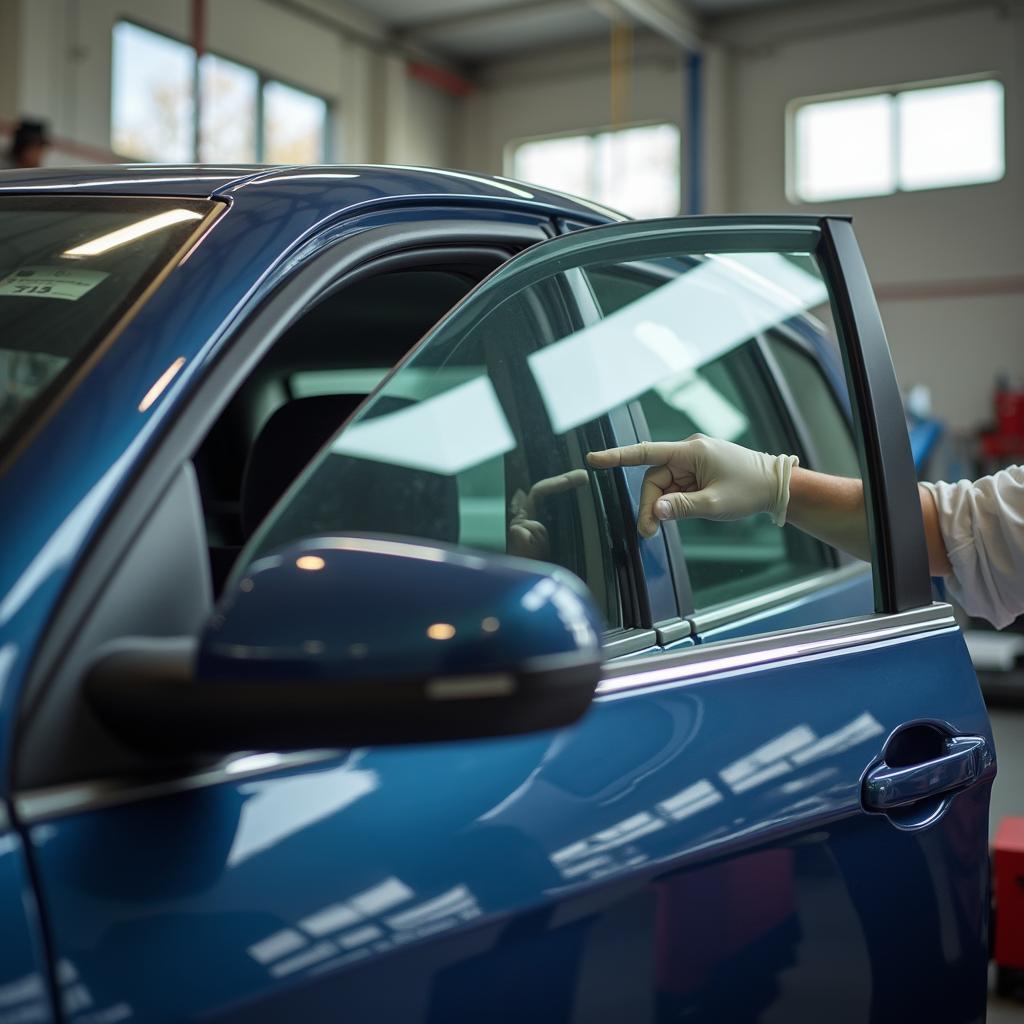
(370, 496)
(289, 439)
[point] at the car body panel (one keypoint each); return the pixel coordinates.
(663, 856)
(24, 978)
(845, 598)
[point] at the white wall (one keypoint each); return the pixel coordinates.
(565, 90)
(10, 32)
(64, 60)
(971, 235)
(754, 65)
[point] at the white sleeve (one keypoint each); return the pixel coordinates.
(982, 525)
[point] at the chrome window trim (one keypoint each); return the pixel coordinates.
(769, 648)
(673, 630)
(630, 641)
(722, 614)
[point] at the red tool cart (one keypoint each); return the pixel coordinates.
(1008, 948)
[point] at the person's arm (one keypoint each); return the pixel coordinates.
(831, 508)
(707, 478)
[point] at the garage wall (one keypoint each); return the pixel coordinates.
(63, 69)
(962, 246)
(9, 34)
(565, 90)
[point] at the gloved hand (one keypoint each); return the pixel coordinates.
(704, 478)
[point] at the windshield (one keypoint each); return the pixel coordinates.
(70, 268)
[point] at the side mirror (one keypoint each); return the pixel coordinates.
(358, 640)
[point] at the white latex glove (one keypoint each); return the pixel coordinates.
(704, 478)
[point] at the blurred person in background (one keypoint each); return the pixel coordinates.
(28, 145)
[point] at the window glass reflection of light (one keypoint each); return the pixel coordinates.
(376, 900)
(711, 412)
(446, 434)
(690, 801)
(441, 631)
(578, 857)
(310, 563)
(278, 808)
(277, 945)
(27, 989)
(458, 901)
(766, 761)
(132, 232)
(794, 749)
(313, 955)
(414, 382)
(671, 331)
(359, 937)
(359, 929)
(862, 728)
(569, 608)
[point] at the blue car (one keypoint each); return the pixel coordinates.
(334, 686)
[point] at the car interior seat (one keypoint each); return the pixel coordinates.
(355, 494)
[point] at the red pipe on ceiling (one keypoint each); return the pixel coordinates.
(445, 81)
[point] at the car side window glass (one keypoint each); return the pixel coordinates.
(821, 401)
(734, 392)
(457, 447)
(480, 437)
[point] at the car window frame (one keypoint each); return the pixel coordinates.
(896, 536)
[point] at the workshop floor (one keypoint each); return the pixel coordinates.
(1007, 799)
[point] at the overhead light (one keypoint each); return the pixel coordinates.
(132, 232)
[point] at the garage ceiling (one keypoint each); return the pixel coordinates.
(476, 30)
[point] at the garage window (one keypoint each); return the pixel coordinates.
(934, 136)
(245, 116)
(635, 170)
(153, 109)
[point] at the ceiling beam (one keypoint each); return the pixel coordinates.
(490, 17)
(670, 19)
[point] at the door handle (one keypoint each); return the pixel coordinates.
(964, 761)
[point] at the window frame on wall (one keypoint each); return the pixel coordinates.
(594, 165)
(263, 80)
(797, 191)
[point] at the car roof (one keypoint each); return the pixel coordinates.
(336, 185)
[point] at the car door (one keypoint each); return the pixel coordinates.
(775, 827)
(24, 979)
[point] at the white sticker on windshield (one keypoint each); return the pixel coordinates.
(67, 283)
